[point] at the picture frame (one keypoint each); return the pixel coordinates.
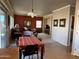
(55, 23)
(27, 22)
(62, 22)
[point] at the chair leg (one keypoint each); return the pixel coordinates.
(29, 57)
(32, 56)
(23, 57)
(37, 56)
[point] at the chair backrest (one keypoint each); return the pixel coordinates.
(28, 33)
(30, 49)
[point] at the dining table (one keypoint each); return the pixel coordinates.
(9, 53)
(30, 40)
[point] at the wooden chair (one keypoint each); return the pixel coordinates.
(30, 50)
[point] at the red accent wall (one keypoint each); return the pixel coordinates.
(19, 19)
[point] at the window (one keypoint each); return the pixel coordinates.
(3, 32)
(38, 24)
(2, 24)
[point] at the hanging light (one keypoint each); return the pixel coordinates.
(32, 14)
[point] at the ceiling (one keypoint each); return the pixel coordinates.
(41, 7)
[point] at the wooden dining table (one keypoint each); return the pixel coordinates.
(9, 53)
(25, 41)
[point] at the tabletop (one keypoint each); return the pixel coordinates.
(9, 53)
(23, 41)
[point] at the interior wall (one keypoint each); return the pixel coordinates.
(44, 23)
(75, 49)
(60, 34)
(0, 41)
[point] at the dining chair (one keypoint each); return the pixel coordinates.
(30, 50)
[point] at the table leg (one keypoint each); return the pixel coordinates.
(20, 54)
(42, 52)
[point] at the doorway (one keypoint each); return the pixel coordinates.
(71, 34)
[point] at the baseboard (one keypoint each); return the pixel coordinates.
(75, 54)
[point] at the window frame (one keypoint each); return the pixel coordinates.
(40, 24)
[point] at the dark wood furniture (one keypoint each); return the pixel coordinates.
(25, 41)
(30, 50)
(15, 34)
(9, 53)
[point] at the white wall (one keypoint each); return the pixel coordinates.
(75, 49)
(60, 34)
(11, 22)
(0, 41)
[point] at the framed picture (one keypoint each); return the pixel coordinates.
(55, 23)
(62, 22)
(27, 23)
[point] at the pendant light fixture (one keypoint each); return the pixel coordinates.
(32, 14)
